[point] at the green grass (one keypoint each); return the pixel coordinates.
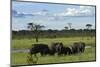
(88, 55)
(20, 58)
(26, 43)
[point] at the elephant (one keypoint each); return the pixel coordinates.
(55, 48)
(43, 49)
(78, 47)
(64, 51)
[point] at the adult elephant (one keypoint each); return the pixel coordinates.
(54, 48)
(43, 49)
(78, 47)
(75, 48)
(59, 48)
(62, 50)
(82, 47)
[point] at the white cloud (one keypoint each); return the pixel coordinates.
(39, 13)
(20, 14)
(68, 12)
(71, 12)
(85, 7)
(42, 12)
(81, 11)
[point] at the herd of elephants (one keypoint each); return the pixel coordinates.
(57, 48)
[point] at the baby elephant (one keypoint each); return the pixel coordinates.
(62, 50)
(65, 51)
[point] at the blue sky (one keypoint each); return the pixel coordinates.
(52, 16)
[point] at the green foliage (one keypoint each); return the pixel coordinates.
(23, 34)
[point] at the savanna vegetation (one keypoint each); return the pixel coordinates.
(24, 39)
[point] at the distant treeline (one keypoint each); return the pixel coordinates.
(53, 33)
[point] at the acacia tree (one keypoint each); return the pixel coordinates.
(70, 25)
(88, 26)
(36, 28)
(66, 28)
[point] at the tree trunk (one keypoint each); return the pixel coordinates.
(36, 36)
(37, 39)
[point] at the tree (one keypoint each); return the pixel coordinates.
(36, 28)
(89, 26)
(66, 28)
(70, 25)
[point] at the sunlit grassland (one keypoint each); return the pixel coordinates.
(21, 57)
(88, 55)
(26, 43)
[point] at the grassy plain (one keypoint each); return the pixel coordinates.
(19, 58)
